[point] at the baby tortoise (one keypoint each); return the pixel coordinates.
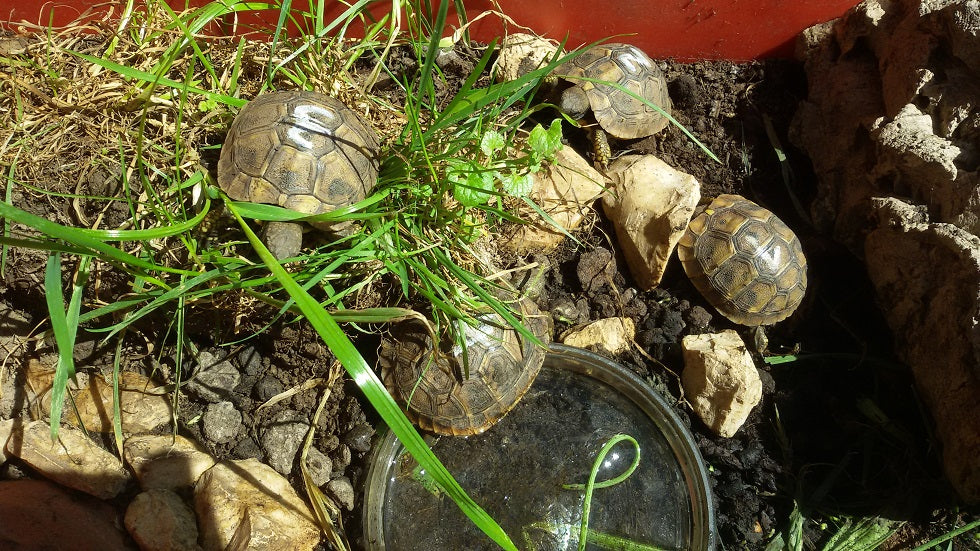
(617, 112)
(502, 365)
(300, 150)
(745, 261)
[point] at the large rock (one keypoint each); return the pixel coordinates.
(166, 462)
(720, 380)
(650, 205)
(935, 317)
(72, 460)
(35, 514)
(251, 503)
(143, 405)
(892, 125)
(565, 191)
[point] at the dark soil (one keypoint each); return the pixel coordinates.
(839, 430)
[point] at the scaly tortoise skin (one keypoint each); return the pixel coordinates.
(617, 112)
(745, 261)
(300, 150)
(502, 367)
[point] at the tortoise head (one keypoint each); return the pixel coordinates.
(575, 102)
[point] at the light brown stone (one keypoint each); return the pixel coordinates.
(650, 205)
(720, 380)
(521, 53)
(160, 521)
(610, 335)
(252, 503)
(143, 405)
(73, 460)
(166, 462)
(565, 190)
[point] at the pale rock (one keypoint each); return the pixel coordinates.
(720, 380)
(610, 335)
(521, 53)
(927, 279)
(35, 514)
(160, 521)
(7, 427)
(166, 462)
(73, 460)
(143, 405)
(961, 23)
(342, 491)
(650, 205)
(565, 190)
(251, 503)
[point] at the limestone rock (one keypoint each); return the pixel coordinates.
(565, 190)
(35, 514)
(251, 503)
(73, 460)
(720, 380)
(610, 335)
(521, 53)
(165, 462)
(7, 427)
(143, 405)
(342, 491)
(160, 521)
(927, 278)
(650, 205)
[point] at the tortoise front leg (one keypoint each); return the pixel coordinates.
(600, 148)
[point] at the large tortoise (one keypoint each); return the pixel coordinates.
(300, 150)
(432, 389)
(616, 112)
(745, 261)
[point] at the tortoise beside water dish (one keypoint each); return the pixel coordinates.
(432, 389)
(300, 150)
(745, 261)
(616, 112)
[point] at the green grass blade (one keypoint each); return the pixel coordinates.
(83, 240)
(64, 326)
(375, 392)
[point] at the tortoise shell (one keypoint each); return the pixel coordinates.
(745, 261)
(300, 150)
(431, 388)
(617, 112)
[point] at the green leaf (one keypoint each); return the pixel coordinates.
(491, 143)
(518, 185)
(471, 183)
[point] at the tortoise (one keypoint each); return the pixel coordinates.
(745, 261)
(500, 363)
(300, 150)
(616, 112)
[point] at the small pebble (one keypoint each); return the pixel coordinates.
(213, 381)
(319, 466)
(282, 439)
(221, 422)
(359, 437)
(342, 491)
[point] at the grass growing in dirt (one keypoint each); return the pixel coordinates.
(122, 132)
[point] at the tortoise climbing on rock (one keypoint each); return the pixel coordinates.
(745, 261)
(502, 364)
(617, 112)
(300, 150)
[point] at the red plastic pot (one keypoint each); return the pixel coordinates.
(683, 29)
